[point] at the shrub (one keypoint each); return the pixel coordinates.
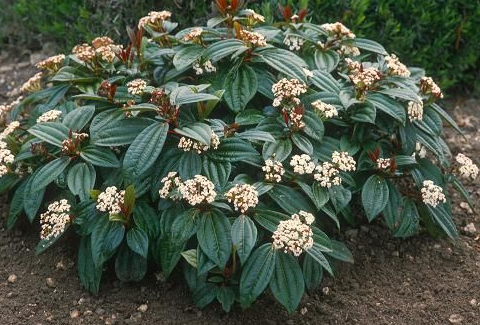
(229, 150)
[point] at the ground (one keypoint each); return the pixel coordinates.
(418, 281)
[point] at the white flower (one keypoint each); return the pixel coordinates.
(207, 67)
(32, 84)
(107, 53)
(432, 194)
(3, 170)
(49, 116)
(343, 161)
(137, 86)
(339, 30)
(294, 43)
(187, 144)
(9, 129)
(365, 77)
(383, 163)
(420, 150)
(324, 109)
(294, 235)
(52, 63)
(254, 16)
(273, 171)
(54, 221)
(415, 111)
(467, 168)
(296, 119)
(395, 67)
(154, 18)
(288, 91)
(349, 50)
(254, 38)
(170, 182)
(302, 164)
(243, 197)
(111, 200)
(327, 175)
(307, 72)
(428, 86)
(198, 190)
(84, 52)
(193, 34)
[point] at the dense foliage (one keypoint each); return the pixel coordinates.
(440, 36)
(230, 152)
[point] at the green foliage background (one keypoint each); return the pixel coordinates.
(441, 36)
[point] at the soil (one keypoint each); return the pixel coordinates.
(416, 281)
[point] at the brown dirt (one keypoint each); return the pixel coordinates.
(414, 281)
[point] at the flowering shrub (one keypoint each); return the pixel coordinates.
(227, 152)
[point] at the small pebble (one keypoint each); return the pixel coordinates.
(470, 229)
(303, 311)
(455, 319)
(325, 290)
(50, 282)
(142, 308)
(74, 313)
(473, 302)
(12, 278)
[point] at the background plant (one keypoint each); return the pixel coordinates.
(231, 152)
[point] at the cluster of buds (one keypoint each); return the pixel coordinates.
(253, 17)
(111, 200)
(294, 235)
(187, 144)
(429, 87)
(432, 194)
(12, 126)
(198, 190)
(6, 158)
(5, 108)
(325, 110)
(136, 86)
(84, 52)
(384, 163)
(206, 67)
(338, 31)
(294, 43)
(21, 169)
(33, 84)
(348, 50)
(71, 145)
(327, 175)
(107, 89)
(286, 92)
(415, 111)
(343, 161)
(273, 171)
(243, 197)
(467, 168)
(51, 64)
(154, 19)
(49, 116)
(363, 78)
(420, 150)
(253, 39)
(302, 164)
(194, 35)
(165, 108)
(55, 220)
(102, 48)
(171, 182)
(395, 67)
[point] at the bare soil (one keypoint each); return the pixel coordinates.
(412, 281)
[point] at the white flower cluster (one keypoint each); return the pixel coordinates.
(273, 171)
(295, 118)
(137, 86)
(198, 190)
(6, 157)
(111, 200)
(467, 168)
(339, 30)
(288, 90)
(105, 48)
(343, 161)
(5, 108)
(395, 67)
(32, 84)
(52, 63)
(187, 144)
(294, 235)
(325, 110)
(254, 38)
(9, 129)
(193, 34)
(302, 164)
(243, 197)
(207, 67)
(154, 18)
(327, 175)
(420, 150)
(170, 182)
(365, 77)
(294, 43)
(348, 50)
(384, 163)
(251, 14)
(432, 194)
(21, 169)
(428, 86)
(84, 52)
(49, 116)
(54, 221)
(415, 111)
